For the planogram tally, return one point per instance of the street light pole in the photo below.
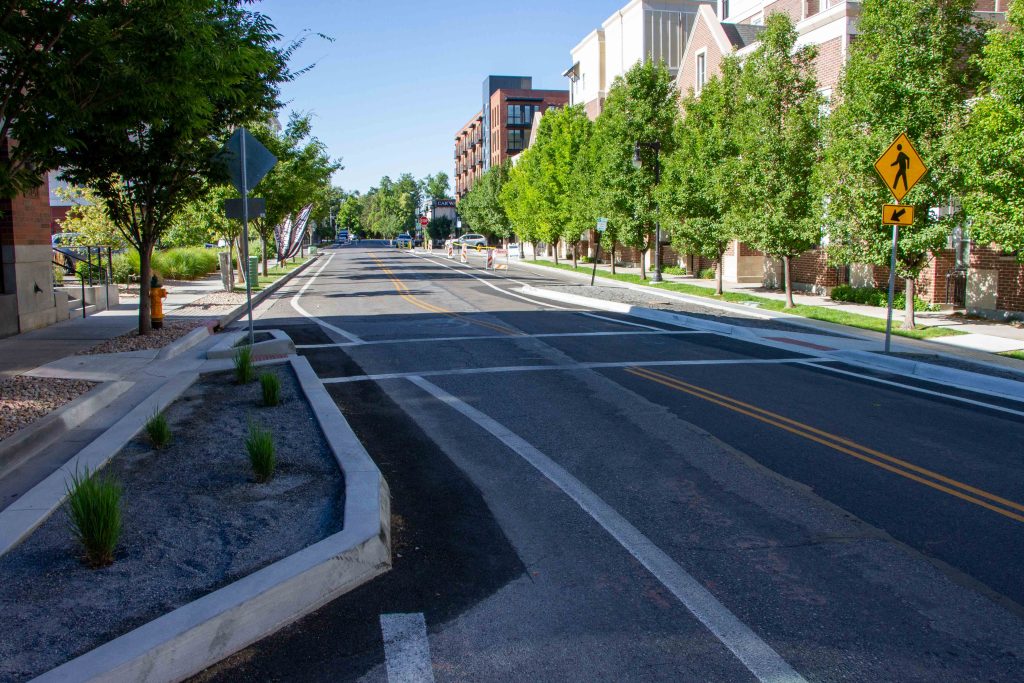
(638, 163)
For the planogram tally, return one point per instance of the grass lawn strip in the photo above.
(814, 312)
(1019, 355)
(194, 521)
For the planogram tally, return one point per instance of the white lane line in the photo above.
(298, 307)
(568, 367)
(535, 302)
(920, 390)
(759, 657)
(621, 322)
(503, 337)
(406, 648)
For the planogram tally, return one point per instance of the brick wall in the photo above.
(828, 65)
(794, 8)
(811, 268)
(701, 39)
(1010, 276)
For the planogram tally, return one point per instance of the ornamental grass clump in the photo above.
(260, 445)
(94, 506)
(158, 431)
(271, 385)
(244, 372)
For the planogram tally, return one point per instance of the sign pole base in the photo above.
(892, 288)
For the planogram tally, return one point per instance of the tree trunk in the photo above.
(643, 264)
(908, 311)
(611, 256)
(145, 273)
(719, 274)
(554, 249)
(263, 248)
(788, 281)
(575, 248)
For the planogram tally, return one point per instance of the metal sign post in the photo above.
(247, 161)
(900, 167)
(602, 225)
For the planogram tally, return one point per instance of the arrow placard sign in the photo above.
(897, 214)
(900, 167)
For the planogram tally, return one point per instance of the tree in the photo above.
(482, 209)
(202, 219)
(88, 218)
(440, 228)
(990, 149)
(777, 140)
(301, 176)
(192, 69)
(350, 215)
(911, 69)
(436, 186)
(520, 199)
(696, 195)
(392, 207)
(50, 56)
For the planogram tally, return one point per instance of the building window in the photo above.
(702, 71)
(725, 9)
(521, 114)
(516, 140)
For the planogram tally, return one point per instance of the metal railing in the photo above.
(956, 287)
(70, 257)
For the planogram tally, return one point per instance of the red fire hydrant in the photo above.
(156, 305)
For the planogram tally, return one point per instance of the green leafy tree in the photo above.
(990, 149)
(697, 195)
(350, 215)
(392, 206)
(520, 198)
(911, 69)
(191, 70)
(482, 208)
(302, 176)
(88, 218)
(436, 186)
(53, 56)
(777, 138)
(440, 228)
(642, 107)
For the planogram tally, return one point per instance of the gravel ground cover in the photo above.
(652, 300)
(212, 305)
(25, 399)
(156, 339)
(194, 521)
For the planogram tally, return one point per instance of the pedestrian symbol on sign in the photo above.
(901, 160)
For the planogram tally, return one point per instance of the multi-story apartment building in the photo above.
(501, 129)
(642, 30)
(977, 277)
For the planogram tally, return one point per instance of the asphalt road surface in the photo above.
(585, 496)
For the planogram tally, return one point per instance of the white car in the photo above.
(403, 241)
(472, 239)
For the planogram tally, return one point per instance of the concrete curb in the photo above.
(1007, 388)
(280, 345)
(180, 346)
(258, 298)
(201, 633)
(29, 440)
(962, 379)
(22, 517)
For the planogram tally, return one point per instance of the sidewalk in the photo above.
(23, 352)
(977, 335)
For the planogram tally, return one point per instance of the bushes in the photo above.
(271, 386)
(872, 296)
(94, 506)
(674, 270)
(189, 263)
(707, 274)
(244, 372)
(158, 431)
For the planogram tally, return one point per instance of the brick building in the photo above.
(27, 297)
(501, 129)
(977, 277)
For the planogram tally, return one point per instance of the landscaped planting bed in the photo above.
(194, 519)
(25, 399)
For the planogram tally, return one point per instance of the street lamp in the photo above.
(638, 163)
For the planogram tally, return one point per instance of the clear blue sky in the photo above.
(401, 77)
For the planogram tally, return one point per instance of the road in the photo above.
(585, 496)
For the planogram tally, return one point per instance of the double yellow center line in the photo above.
(921, 475)
(404, 292)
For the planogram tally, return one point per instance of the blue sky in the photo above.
(401, 77)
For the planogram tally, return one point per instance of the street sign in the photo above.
(423, 220)
(233, 208)
(602, 224)
(900, 167)
(896, 214)
(258, 159)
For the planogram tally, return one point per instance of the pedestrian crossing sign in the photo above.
(900, 167)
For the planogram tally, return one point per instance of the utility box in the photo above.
(254, 270)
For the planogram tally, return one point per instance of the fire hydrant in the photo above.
(156, 305)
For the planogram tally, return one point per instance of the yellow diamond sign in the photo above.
(900, 167)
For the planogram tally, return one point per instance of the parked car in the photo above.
(64, 253)
(404, 240)
(472, 239)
